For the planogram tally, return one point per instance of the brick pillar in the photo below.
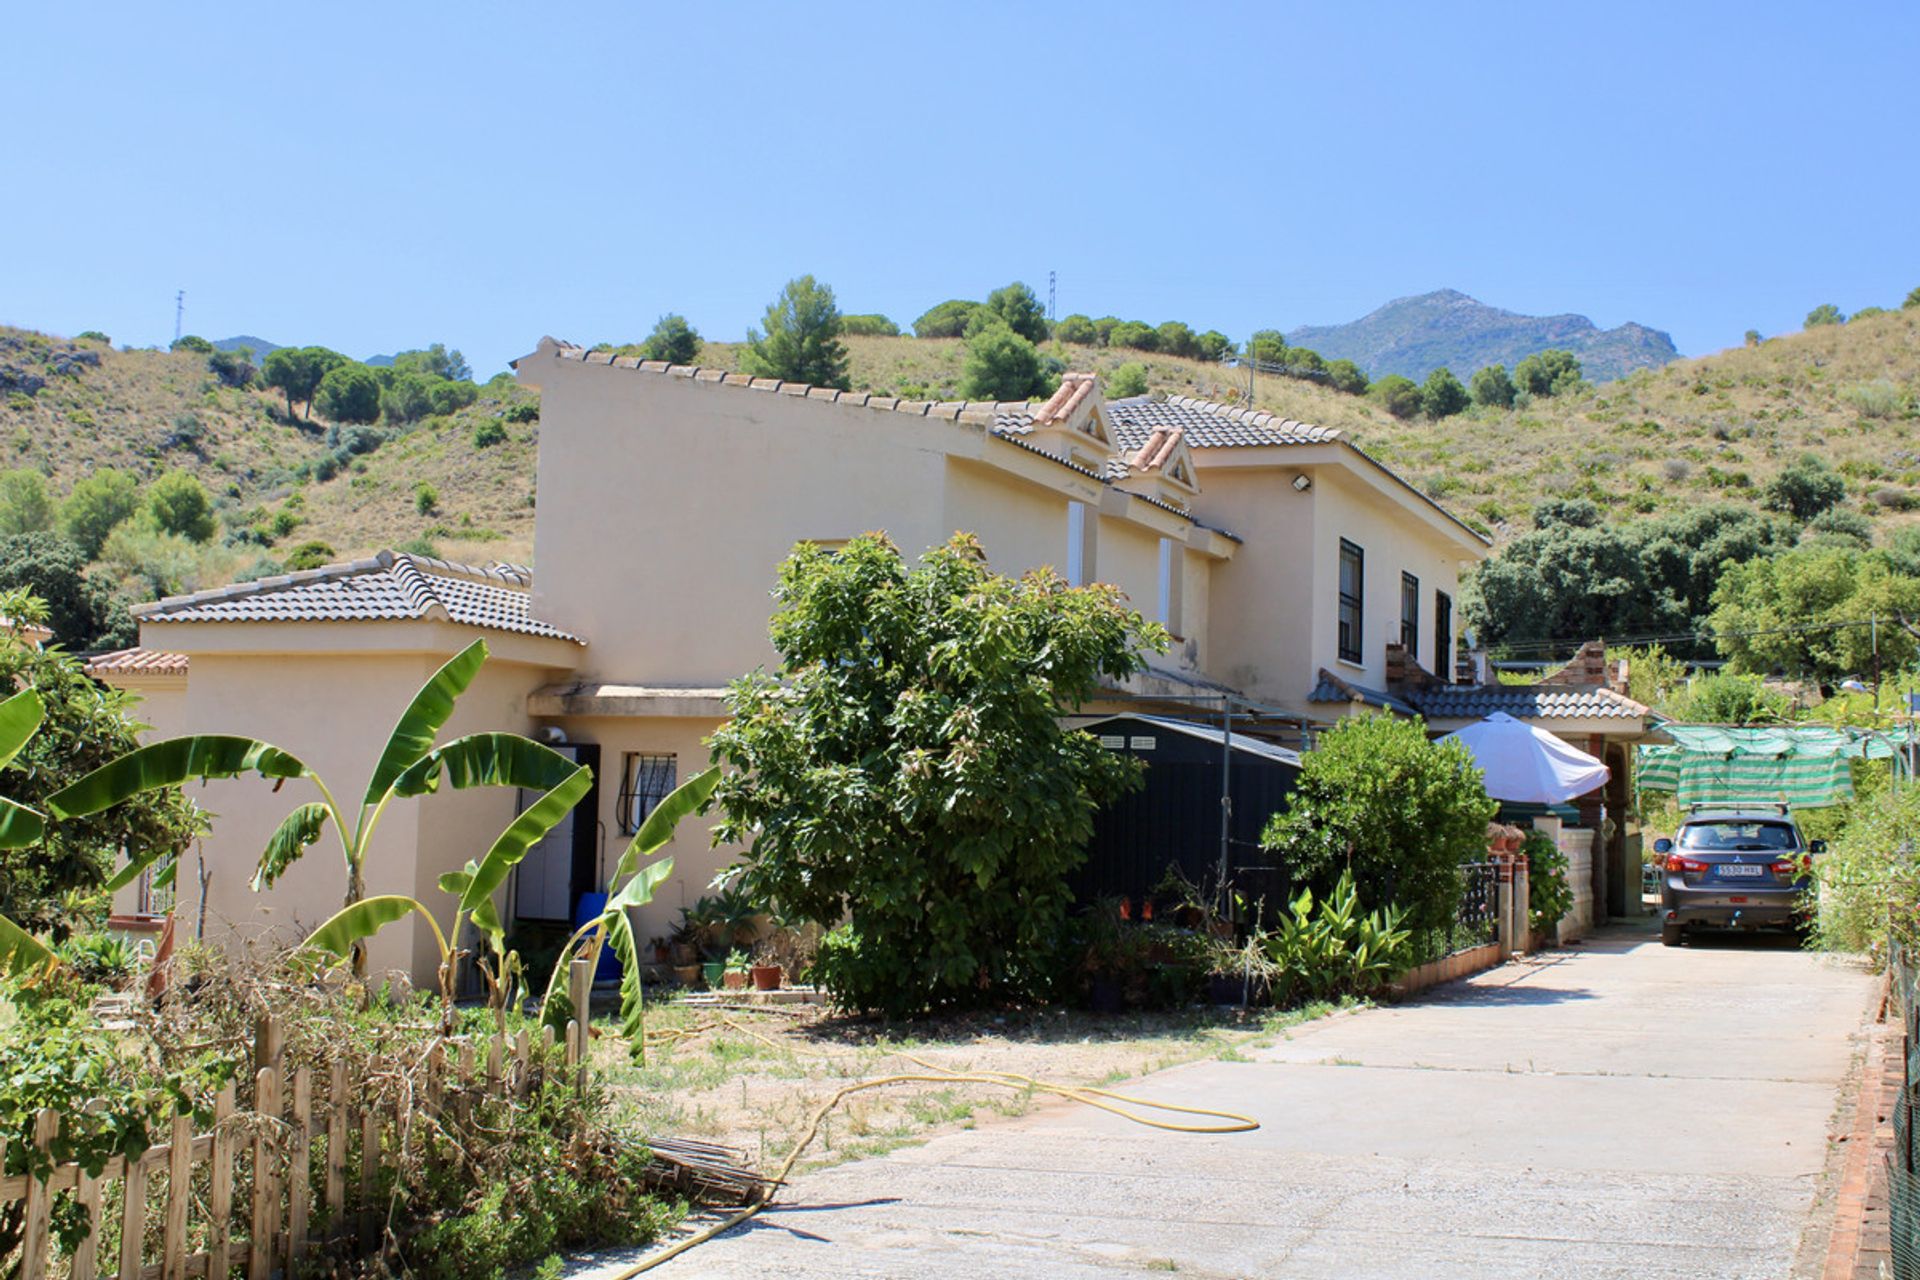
(1503, 932)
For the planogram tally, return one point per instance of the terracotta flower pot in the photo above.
(766, 977)
(734, 981)
(687, 975)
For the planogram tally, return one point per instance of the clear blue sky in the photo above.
(379, 177)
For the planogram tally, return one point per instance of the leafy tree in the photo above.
(235, 368)
(1213, 345)
(178, 503)
(1078, 330)
(1398, 395)
(1913, 300)
(1806, 488)
(1771, 614)
(1103, 329)
(1130, 379)
(407, 397)
(1002, 365)
(409, 765)
(1729, 697)
(1548, 373)
(1377, 799)
(1345, 375)
(672, 340)
(904, 778)
(349, 393)
(191, 342)
(1176, 339)
(948, 320)
(1135, 336)
(1835, 525)
(869, 325)
(1824, 314)
(80, 608)
(100, 503)
(1302, 362)
(1753, 338)
(1269, 345)
(296, 372)
(1866, 313)
(1442, 396)
(435, 362)
(84, 725)
(25, 505)
(1022, 311)
(94, 335)
(801, 342)
(1492, 388)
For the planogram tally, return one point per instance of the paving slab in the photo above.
(1616, 1110)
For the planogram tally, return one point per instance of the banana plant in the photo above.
(472, 887)
(631, 886)
(409, 765)
(21, 954)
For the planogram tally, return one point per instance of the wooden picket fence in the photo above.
(270, 1148)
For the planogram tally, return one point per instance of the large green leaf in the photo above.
(556, 1010)
(170, 763)
(658, 828)
(632, 997)
(21, 954)
(365, 918)
(20, 718)
(298, 830)
(136, 863)
(19, 825)
(424, 717)
(523, 833)
(487, 760)
(638, 892)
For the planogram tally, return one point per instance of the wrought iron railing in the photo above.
(1476, 920)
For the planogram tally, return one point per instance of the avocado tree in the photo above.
(409, 765)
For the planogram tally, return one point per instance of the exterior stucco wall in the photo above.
(1261, 604)
(667, 505)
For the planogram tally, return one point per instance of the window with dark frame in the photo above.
(646, 780)
(1443, 662)
(1353, 585)
(1410, 615)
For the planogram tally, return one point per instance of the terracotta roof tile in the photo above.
(137, 661)
(387, 586)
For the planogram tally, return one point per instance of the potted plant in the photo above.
(662, 953)
(767, 971)
(1239, 973)
(735, 971)
(683, 945)
(687, 975)
(713, 973)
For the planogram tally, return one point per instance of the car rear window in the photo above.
(1733, 837)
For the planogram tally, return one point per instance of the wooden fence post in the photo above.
(337, 1150)
(299, 1169)
(86, 1255)
(266, 1188)
(580, 1034)
(33, 1231)
(369, 1173)
(173, 1254)
(522, 1063)
(220, 1195)
(133, 1215)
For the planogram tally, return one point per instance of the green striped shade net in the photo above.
(1805, 766)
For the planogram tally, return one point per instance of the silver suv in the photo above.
(1730, 867)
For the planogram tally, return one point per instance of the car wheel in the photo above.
(1671, 935)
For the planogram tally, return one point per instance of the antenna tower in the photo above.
(179, 312)
(1051, 313)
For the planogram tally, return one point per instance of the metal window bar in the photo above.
(1353, 590)
(1476, 920)
(646, 779)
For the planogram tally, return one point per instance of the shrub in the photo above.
(488, 433)
(233, 368)
(1335, 949)
(1078, 330)
(311, 555)
(1806, 488)
(1002, 365)
(525, 411)
(1877, 399)
(426, 498)
(1912, 301)
(94, 335)
(904, 777)
(25, 505)
(1825, 314)
(1345, 375)
(1849, 526)
(1401, 813)
(1130, 379)
(1753, 338)
(1397, 395)
(869, 325)
(1549, 897)
(1867, 313)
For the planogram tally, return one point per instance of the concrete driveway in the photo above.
(1614, 1110)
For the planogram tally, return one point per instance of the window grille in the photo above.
(1353, 572)
(646, 780)
(1443, 636)
(1410, 615)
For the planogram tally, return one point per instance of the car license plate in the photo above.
(1729, 870)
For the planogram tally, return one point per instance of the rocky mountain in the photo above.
(1414, 336)
(259, 346)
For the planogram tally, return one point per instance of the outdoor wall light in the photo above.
(1303, 482)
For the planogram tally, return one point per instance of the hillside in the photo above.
(1712, 429)
(1414, 336)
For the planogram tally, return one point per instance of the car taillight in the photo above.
(1680, 862)
(1785, 867)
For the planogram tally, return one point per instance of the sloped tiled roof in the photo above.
(1207, 425)
(387, 586)
(137, 662)
(1476, 702)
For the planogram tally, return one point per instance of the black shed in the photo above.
(1174, 819)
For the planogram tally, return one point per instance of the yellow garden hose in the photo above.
(1104, 1099)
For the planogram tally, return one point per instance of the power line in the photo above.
(1680, 637)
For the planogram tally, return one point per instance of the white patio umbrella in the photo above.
(1529, 765)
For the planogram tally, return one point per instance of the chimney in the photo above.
(1397, 672)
